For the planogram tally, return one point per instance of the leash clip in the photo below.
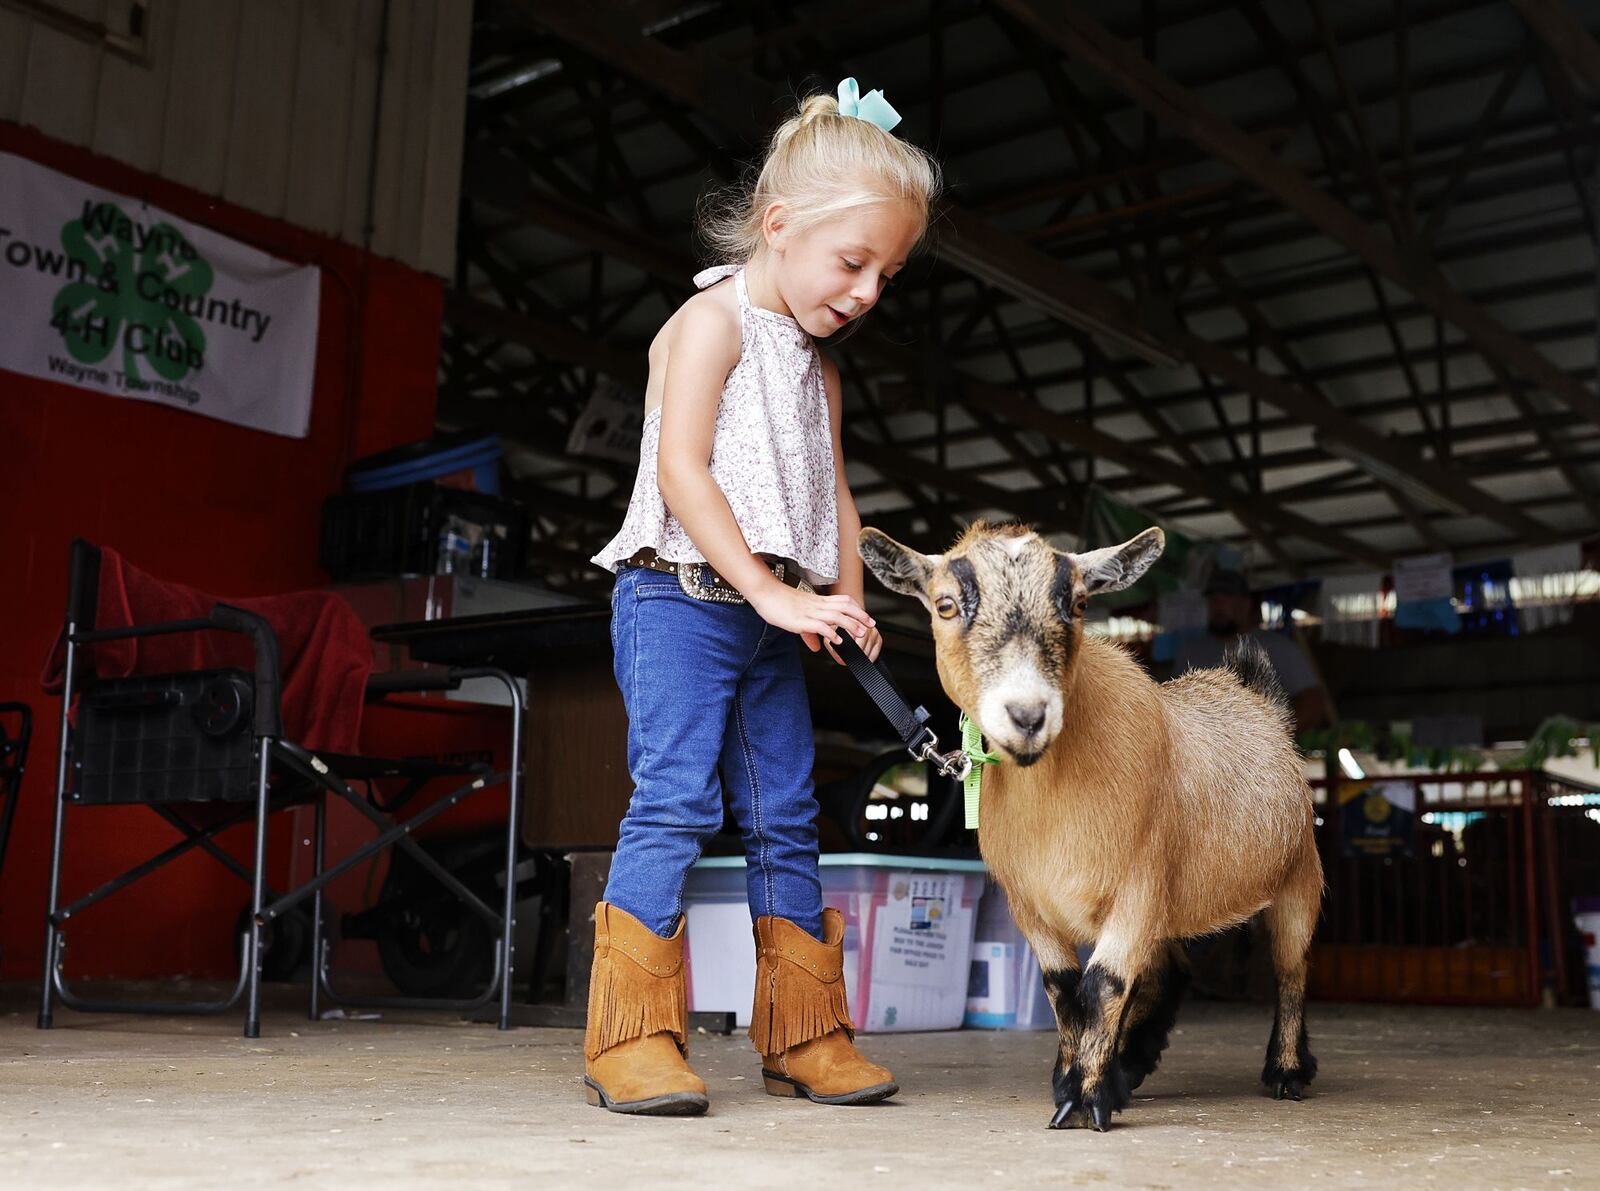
(925, 747)
(955, 764)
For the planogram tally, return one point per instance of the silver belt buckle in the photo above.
(778, 572)
(699, 581)
(696, 580)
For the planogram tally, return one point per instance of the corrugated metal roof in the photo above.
(1458, 136)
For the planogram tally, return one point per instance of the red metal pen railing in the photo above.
(1469, 907)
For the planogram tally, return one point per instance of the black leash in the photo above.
(910, 723)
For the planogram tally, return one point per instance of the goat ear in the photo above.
(1115, 567)
(898, 567)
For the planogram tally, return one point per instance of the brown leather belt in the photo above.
(698, 579)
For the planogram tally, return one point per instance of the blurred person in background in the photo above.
(1233, 613)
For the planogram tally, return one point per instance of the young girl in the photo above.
(740, 543)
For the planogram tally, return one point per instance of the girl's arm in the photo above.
(852, 578)
(702, 347)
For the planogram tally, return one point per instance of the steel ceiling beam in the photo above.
(746, 106)
(1009, 405)
(1084, 39)
(1000, 259)
(1560, 29)
(565, 342)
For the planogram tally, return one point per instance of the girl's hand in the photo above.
(816, 618)
(871, 644)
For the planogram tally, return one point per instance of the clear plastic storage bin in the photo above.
(907, 940)
(1006, 989)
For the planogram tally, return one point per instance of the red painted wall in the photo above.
(230, 510)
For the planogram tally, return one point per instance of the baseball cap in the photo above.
(1223, 582)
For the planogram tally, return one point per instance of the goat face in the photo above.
(1007, 614)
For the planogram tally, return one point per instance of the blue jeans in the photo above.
(711, 687)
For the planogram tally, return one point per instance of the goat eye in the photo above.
(946, 607)
(1079, 604)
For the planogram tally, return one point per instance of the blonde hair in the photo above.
(818, 165)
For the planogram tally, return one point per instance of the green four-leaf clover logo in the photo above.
(135, 293)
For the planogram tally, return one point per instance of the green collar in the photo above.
(972, 784)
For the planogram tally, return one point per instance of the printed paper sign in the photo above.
(921, 952)
(1424, 577)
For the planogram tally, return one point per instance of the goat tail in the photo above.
(1249, 663)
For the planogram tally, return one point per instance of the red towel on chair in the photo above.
(325, 655)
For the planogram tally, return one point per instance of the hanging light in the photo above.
(1348, 764)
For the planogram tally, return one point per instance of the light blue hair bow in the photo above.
(871, 107)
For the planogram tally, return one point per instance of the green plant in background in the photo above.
(1358, 735)
(1440, 759)
(1346, 734)
(1558, 736)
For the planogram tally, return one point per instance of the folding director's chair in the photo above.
(205, 750)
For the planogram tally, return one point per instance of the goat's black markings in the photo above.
(1288, 1082)
(1110, 1095)
(909, 571)
(1062, 980)
(1061, 985)
(1099, 995)
(962, 569)
(1250, 664)
(1019, 625)
(1100, 983)
(1061, 588)
(1066, 1086)
(1151, 1020)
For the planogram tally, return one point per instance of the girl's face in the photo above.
(833, 273)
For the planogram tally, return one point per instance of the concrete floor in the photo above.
(1406, 1097)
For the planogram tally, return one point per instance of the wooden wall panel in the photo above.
(199, 77)
(269, 104)
(63, 77)
(392, 133)
(446, 132)
(15, 37)
(323, 134)
(131, 113)
(256, 172)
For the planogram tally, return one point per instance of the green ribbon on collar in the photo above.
(972, 784)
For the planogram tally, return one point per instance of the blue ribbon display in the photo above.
(871, 107)
(1435, 615)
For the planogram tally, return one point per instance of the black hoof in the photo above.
(1066, 1084)
(1106, 1098)
(1065, 1113)
(1288, 1083)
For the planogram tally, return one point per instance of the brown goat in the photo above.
(1129, 814)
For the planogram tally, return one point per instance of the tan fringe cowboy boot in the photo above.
(635, 1046)
(801, 1025)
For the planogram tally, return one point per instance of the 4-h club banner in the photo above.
(105, 293)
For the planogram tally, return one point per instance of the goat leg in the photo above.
(1152, 1013)
(1291, 919)
(1105, 996)
(1061, 985)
